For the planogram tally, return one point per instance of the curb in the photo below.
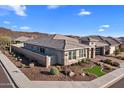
(112, 82)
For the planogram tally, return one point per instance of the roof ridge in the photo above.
(114, 39)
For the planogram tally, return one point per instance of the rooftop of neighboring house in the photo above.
(57, 36)
(23, 38)
(89, 39)
(58, 44)
(102, 39)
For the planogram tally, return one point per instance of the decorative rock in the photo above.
(20, 59)
(71, 74)
(83, 74)
(31, 64)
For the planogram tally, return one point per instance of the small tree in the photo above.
(117, 51)
(5, 42)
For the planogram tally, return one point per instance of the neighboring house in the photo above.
(94, 42)
(104, 45)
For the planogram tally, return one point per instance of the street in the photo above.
(4, 81)
(119, 84)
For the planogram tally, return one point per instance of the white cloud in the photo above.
(101, 30)
(53, 6)
(83, 12)
(18, 9)
(105, 26)
(6, 22)
(14, 26)
(24, 28)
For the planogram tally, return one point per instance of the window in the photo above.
(82, 53)
(42, 50)
(72, 55)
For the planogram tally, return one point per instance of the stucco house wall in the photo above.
(113, 48)
(56, 55)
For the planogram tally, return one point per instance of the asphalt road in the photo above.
(4, 81)
(119, 84)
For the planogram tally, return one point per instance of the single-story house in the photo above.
(59, 51)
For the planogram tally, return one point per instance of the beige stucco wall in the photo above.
(112, 49)
(41, 59)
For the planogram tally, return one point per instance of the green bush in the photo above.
(107, 61)
(121, 50)
(110, 62)
(120, 57)
(85, 60)
(116, 64)
(117, 51)
(54, 71)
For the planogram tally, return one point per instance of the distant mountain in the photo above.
(16, 34)
(121, 39)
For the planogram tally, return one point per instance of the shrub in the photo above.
(122, 58)
(107, 67)
(116, 64)
(23, 65)
(107, 61)
(121, 50)
(119, 57)
(54, 71)
(97, 63)
(117, 51)
(85, 60)
(31, 65)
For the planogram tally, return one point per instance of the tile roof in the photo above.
(57, 44)
(57, 36)
(102, 39)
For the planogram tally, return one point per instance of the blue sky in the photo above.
(74, 20)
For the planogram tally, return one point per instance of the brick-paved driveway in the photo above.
(4, 81)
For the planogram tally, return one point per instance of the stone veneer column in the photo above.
(94, 52)
(66, 54)
(104, 50)
(48, 61)
(89, 53)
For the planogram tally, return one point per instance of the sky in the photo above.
(79, 20)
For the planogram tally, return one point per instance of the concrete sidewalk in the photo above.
(23, 82)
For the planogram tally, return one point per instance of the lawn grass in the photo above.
(96, 70)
